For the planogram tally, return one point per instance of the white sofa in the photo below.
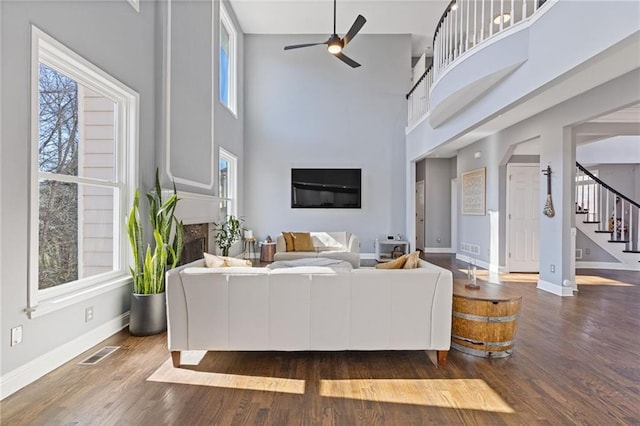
(308, 308)
(332, 245)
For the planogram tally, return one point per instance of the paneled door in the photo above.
(523, 212)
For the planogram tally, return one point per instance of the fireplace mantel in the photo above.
(195, 208)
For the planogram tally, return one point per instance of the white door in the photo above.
(454, 215)
(523, 211)
(420, 215)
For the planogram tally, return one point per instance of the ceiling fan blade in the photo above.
(347, 60)
(298, 46)
(355, 28)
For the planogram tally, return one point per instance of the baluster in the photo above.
(466, 47)
(535, 5)
(588, 204)
(475, 22)
(630, 233)
(615, 216)
(606, 210)
(456, 50)
(501, 15)
(513, 10)
(599, 207)
(482, 18)
(448, 35)
(460, 29)
(622, 221)
(524, 9)
(491, 21)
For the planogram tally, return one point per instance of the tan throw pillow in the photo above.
(213, 261)
(394, 264)
(234, 261)
(412, 260)
(302, 241)
(288, 241)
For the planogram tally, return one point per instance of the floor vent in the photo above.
(100, 355)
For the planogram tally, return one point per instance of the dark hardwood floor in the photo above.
(575, 361)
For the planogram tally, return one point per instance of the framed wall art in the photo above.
(473, 192)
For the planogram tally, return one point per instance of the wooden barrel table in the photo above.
(484, 320)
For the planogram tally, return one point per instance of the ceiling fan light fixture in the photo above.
(334, 44)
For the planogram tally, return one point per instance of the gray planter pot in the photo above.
(148, 314)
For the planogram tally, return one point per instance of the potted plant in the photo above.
(148, 301)
(227, 233)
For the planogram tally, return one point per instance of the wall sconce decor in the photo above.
(548, 207)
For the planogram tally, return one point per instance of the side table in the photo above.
(249, 245)
(484, 320)
(267, 251)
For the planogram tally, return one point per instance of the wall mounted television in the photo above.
(326, 188)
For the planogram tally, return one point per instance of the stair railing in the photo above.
(612, 211)
(464, 25)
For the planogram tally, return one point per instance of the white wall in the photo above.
(305, 108)
(133, 48)
(553, 129)
(126, 54)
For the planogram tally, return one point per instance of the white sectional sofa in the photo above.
(308, 308)
(331, 245)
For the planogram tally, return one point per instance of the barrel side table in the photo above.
(484, 320)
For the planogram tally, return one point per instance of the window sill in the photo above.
(56, 303)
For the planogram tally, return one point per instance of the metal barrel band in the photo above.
(485, 318)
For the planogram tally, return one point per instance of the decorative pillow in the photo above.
(234, 261)
(288, 240)
(302, 241)
(394, 264)
(213, 261)
(412, 260)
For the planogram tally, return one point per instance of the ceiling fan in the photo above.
(335, 44)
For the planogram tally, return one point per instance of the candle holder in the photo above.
(471, 275)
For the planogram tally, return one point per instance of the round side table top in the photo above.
(487, 291)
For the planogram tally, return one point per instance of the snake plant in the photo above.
(149, 266)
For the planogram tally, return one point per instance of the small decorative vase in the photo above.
(148, 314)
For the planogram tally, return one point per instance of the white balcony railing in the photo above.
(463, 26)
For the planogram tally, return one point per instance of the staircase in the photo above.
(607, 217)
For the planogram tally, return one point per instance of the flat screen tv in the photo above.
(326, 188)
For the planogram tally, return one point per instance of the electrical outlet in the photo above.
(553, 268)
(88, 314)
(16, 335)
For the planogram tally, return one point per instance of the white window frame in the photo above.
(232, 178)
(226, 21)
(45, 49)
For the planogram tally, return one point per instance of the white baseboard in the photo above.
(608, 265)
(438, 250)
(554, 288)
(16, 379)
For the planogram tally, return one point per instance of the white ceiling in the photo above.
(416, 17)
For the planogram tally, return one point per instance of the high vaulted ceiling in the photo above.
(416, 17)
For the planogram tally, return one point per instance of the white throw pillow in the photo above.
(213, 261)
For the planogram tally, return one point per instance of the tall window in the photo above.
(227, 183)
(227, 61)
(83, 127)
